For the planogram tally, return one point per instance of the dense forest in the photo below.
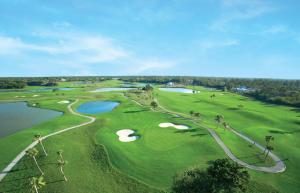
(270, 90)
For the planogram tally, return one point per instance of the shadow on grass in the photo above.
(233, 109)
(136, 111)
(199, 134)
(186, 131)
(284, 132)
(297, 110)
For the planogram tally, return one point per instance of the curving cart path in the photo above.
(277, 168)
(10, 166)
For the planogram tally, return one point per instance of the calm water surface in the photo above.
(110, 89)
(97, 107)
(181, 90)
(18, 116)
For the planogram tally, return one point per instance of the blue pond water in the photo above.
(181, 90)
(97, 107)
(18, 116)
(51, 89)
(110, 89)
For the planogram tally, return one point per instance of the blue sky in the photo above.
(227, 38)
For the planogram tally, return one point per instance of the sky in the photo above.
(221, 38)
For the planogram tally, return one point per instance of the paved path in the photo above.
(10, 166)
(277, 168)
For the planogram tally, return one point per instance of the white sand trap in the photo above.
(124, 135)
(180, 127)
(35, 95)
(63, 102)
(33, 105)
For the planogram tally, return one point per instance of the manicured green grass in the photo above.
(256, 120)
(99, 162)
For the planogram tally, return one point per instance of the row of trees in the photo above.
(37, 183)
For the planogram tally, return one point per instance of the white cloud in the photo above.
(150, 65)
(72, 47)
(78, 53)
(212, 44)
(239, 10)
(275, 29)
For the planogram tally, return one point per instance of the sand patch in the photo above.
(180, 127)
(35, 95)
(125, 135)
(63, 102)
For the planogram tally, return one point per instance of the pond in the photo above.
(111, 89)
(50, 89)
(181, 90)
(97, 107)
(17, 116)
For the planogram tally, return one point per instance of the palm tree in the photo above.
(269, 148)
(197, 115)
(191, 113)
(33, 153)
(39, 139)
(219, 119)
(59, 153)
(37, 183)
(154, 104)
(61, 163)
(212, 96)
(226, 125)
(268, 139)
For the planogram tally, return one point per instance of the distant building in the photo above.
(63, 80)
(243, 89)
(170, 84)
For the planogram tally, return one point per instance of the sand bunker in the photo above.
(35, 95)
(63, 102)
(124, 135)
(180, 127)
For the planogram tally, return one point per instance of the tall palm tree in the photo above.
(269, 148)
(61, 163)
(33, 153)
(59, 153)
(219, 119)
(268, 139)
(37, 183)
(225, 125)
(191, 113)
(39, 139)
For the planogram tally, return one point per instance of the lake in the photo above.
(17, 116)
(181, 90)
(97, 107)
(111, 89)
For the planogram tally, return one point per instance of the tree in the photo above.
(222, 176)
(191, 113)
(33, 153)
(197, 115)
(154, 104)
(225, 125)
(269, 148)
(219, 119)
(227, 176)
(37, 183)
(268, 139)
(192, 181)
(39, 139)
(61, 163)
(59, 153)
(212, 96)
